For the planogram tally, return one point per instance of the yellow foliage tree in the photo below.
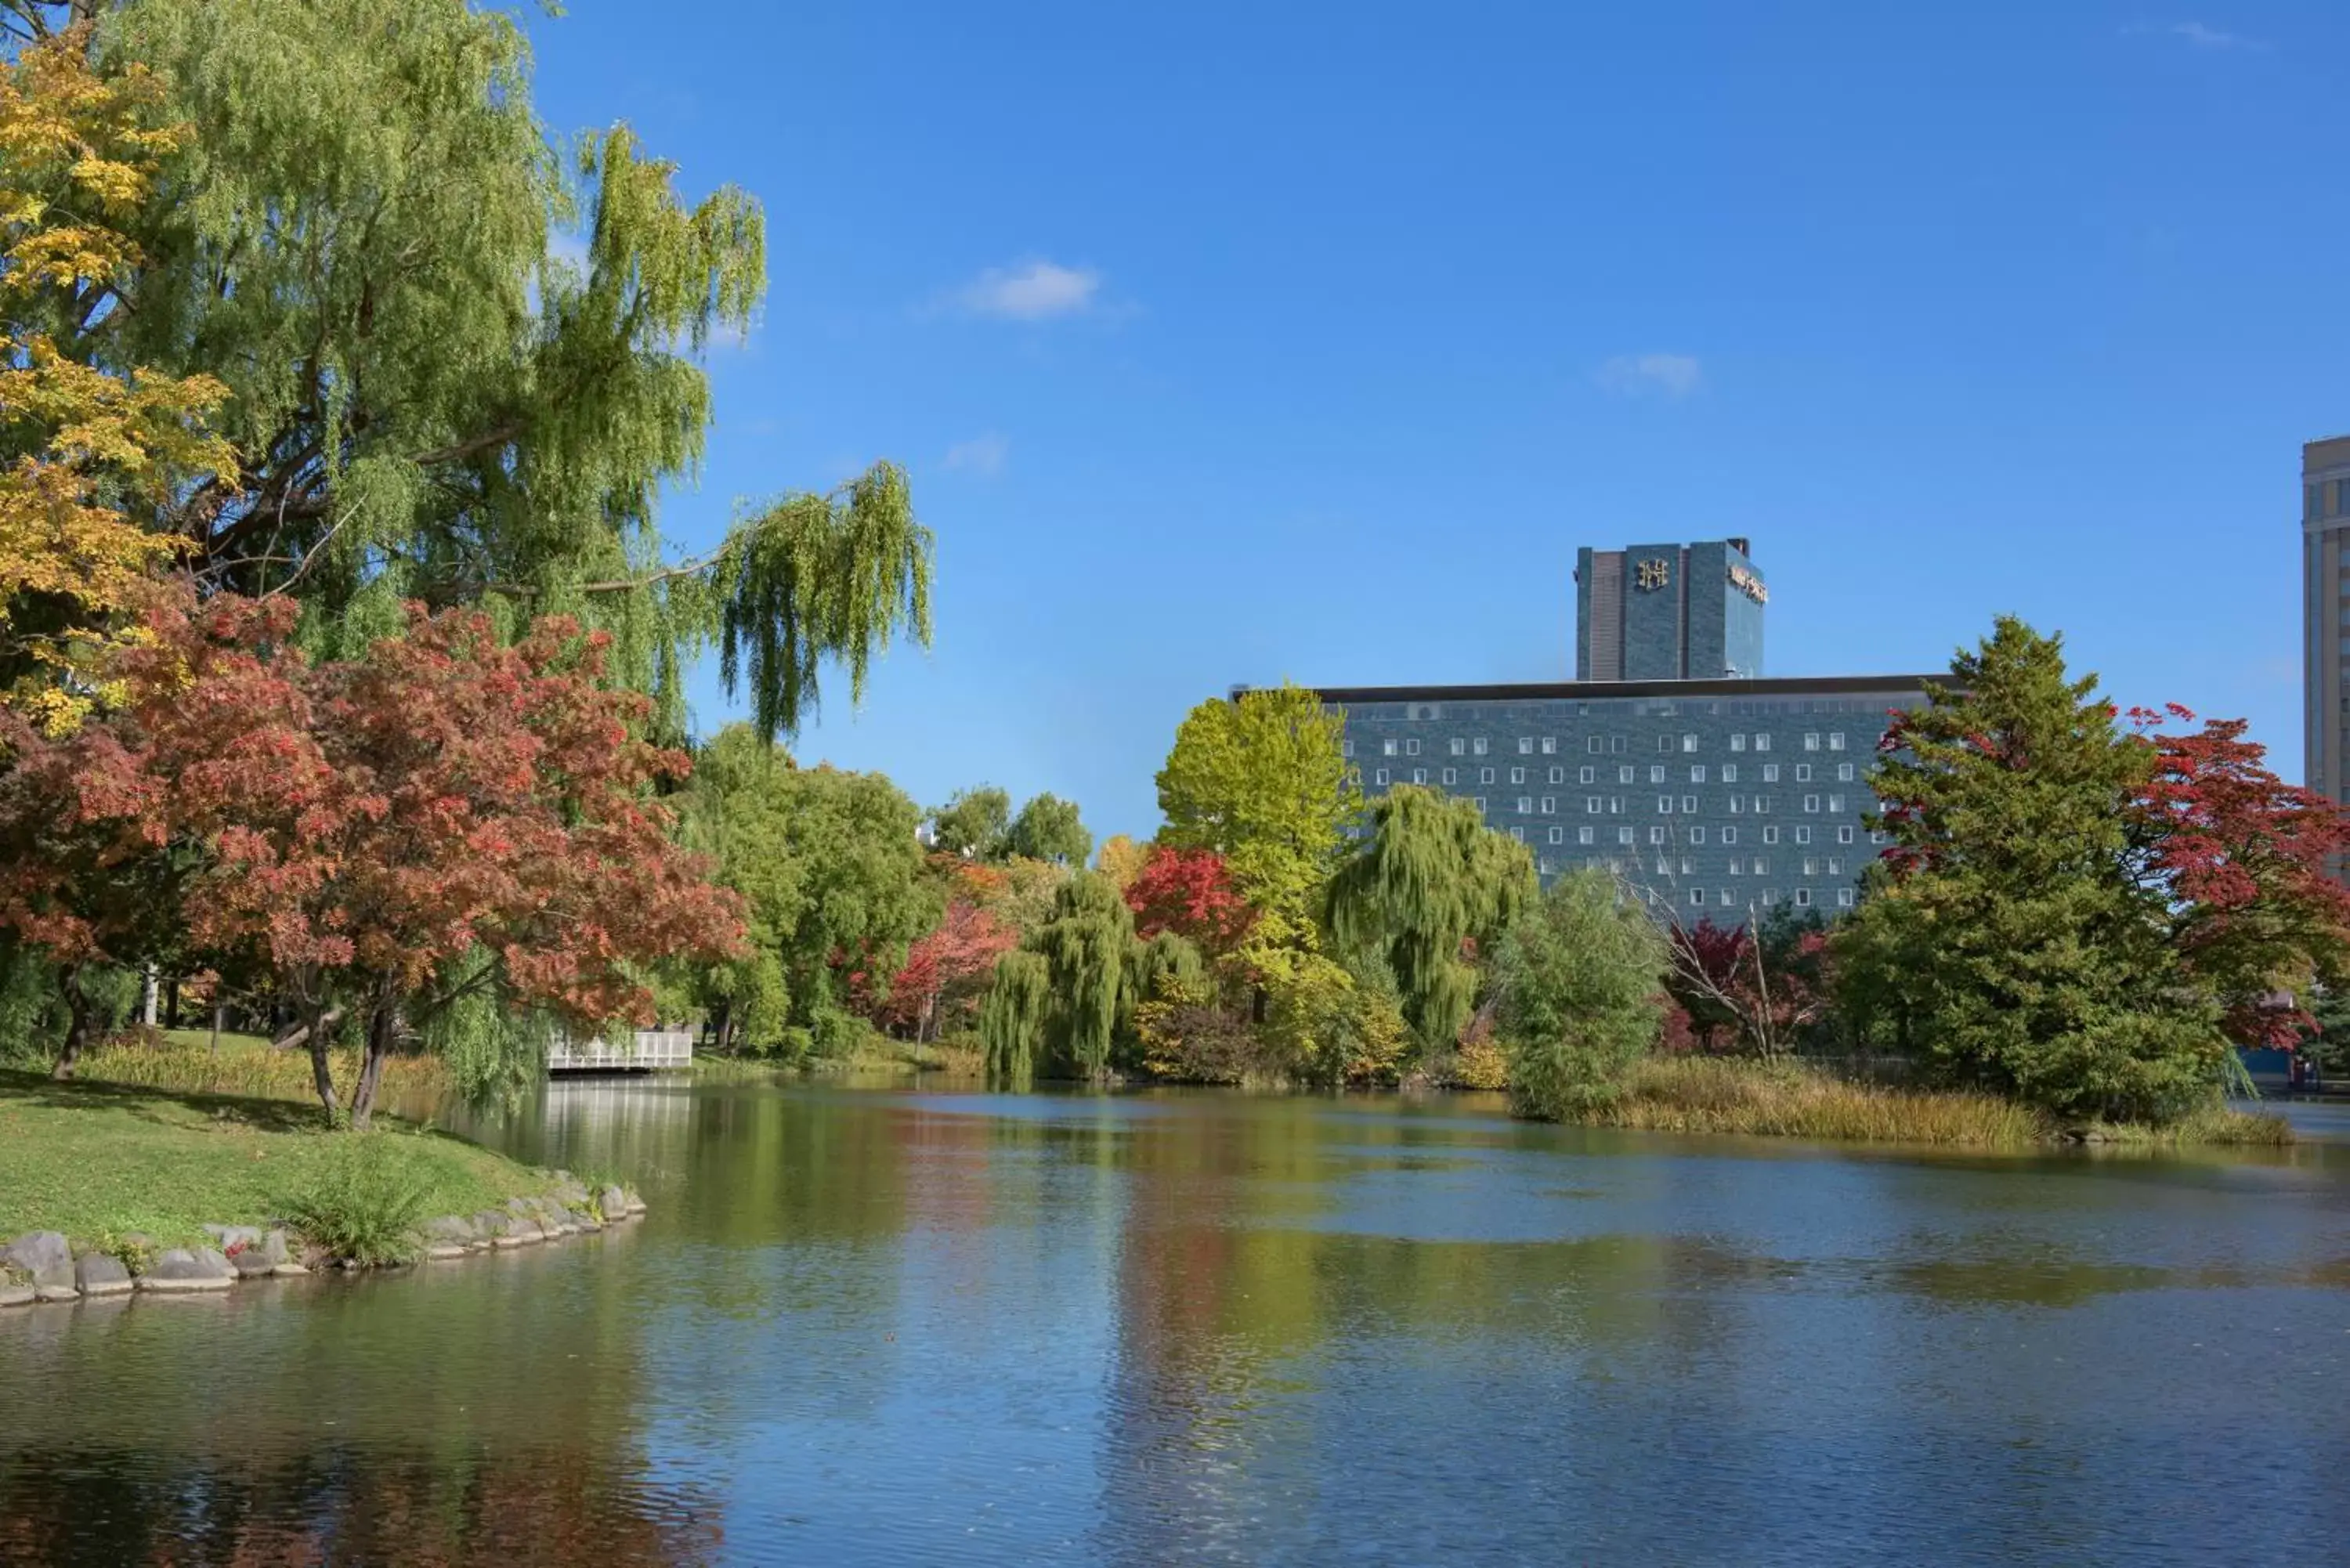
(80, 443)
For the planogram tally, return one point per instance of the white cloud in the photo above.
(1637, 375)
(2199, 34)
(1032, 291)
(981, 454)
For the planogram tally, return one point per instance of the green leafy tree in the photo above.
(2005, 940)
(831, 877)
(1430, 888)
(1048, 828)
(975, 823)
(1264, 782)
(463, 358)
(1582, 995)
(1064, 1004)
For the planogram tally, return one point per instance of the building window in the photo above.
(1616, 745)
(1526, 805)
(1697, 773)
(1835, 865)
(1626, 773)
(1558, 836)
(1729, 773)
(1519, 833)
(1737, 868)
(1550, 806)
(1803, 897)
(1697, 835)
(1844, 897)
(1664, 805)
(1587, 775)
(1484, 776)
(1550, 745)
(1811, 803)
(1736, 743)
(1346, 748)
(1622, 835)
(1380, 777)
(1812, 742)
(1877, 838)
(1737, 804)
(1689, 743)
(1769, 896)
(1810, 864)
(1479, 801)
(1525, 745)
(1836, 805)
(1770, 836)
(1762, 742)
(1688, 806)
(1664, 743)
(1411, 747)
(1419, 776)
(1725, 898)
(1517, 775)
(1478, 745)
(1615, 805)
(1844, 772)
(1835, 741)
(1583, 835)
(1761, 804)
(1592, 744)
(1656, 835)
(1558, 775)
(1460, 746)
(1730, 835)
(1592, 805)
(1697, 895)
(1761, 865)
(1452, 775)
(1769, 772)
(1844, 834)
(1688, 867)
(1802, 836)
(1546, 865)
(1803, 773)
(1387, 748)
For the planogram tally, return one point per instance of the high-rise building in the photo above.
(1669, 612)
(1716, 799)
(2325, 616)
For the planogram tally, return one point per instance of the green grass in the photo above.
(187, 1065)
(95, 1160)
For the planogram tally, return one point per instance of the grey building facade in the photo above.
(1717, 799)
(2325, 616)
(1669, 612)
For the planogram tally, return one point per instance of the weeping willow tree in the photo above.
(1064, 1003)
(463, 358)
(1429, 889)
(1015, 1017)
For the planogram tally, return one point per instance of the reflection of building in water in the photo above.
(636, 1124)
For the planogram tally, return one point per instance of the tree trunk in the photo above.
(318, 1025)
(219, 1011)
(725, 1046)
(78, 1027)
(171, 1002)
(378, 1046)
(146, 994)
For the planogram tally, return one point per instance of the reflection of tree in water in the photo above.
(551, 1505)
(482, 1412)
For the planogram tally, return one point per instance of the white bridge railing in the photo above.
(648, 1051)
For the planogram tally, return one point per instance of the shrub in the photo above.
(1581, 1000)
(363, 1202)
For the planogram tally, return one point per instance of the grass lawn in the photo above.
(97, 1159)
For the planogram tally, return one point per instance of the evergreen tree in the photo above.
(2006, 941)
(1582, 994)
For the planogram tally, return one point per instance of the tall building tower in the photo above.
(1671, 612)
(2325, 615)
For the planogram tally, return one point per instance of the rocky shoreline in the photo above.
(42, 1267)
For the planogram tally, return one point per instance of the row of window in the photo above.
(1696, 836)
(1476, 746)
(1613, 806)
(1728, 772)
(1699, 898)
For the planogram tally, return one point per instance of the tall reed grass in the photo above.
(255, 1071)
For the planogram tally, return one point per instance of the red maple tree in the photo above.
(2247, 863)
(946, 970)
(444, 815)
(1190, 893)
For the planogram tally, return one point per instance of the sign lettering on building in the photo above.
(1656, 574)
(1747, 583)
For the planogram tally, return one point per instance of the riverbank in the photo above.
(1720, 1095)
(182, 1186)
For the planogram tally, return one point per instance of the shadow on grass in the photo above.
(267, 1115)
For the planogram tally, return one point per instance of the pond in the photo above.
(866, 1326)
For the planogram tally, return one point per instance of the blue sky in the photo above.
(1226, 343)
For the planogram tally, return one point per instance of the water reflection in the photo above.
(898, 1326)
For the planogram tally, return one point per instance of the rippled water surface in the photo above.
(897, 1327)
